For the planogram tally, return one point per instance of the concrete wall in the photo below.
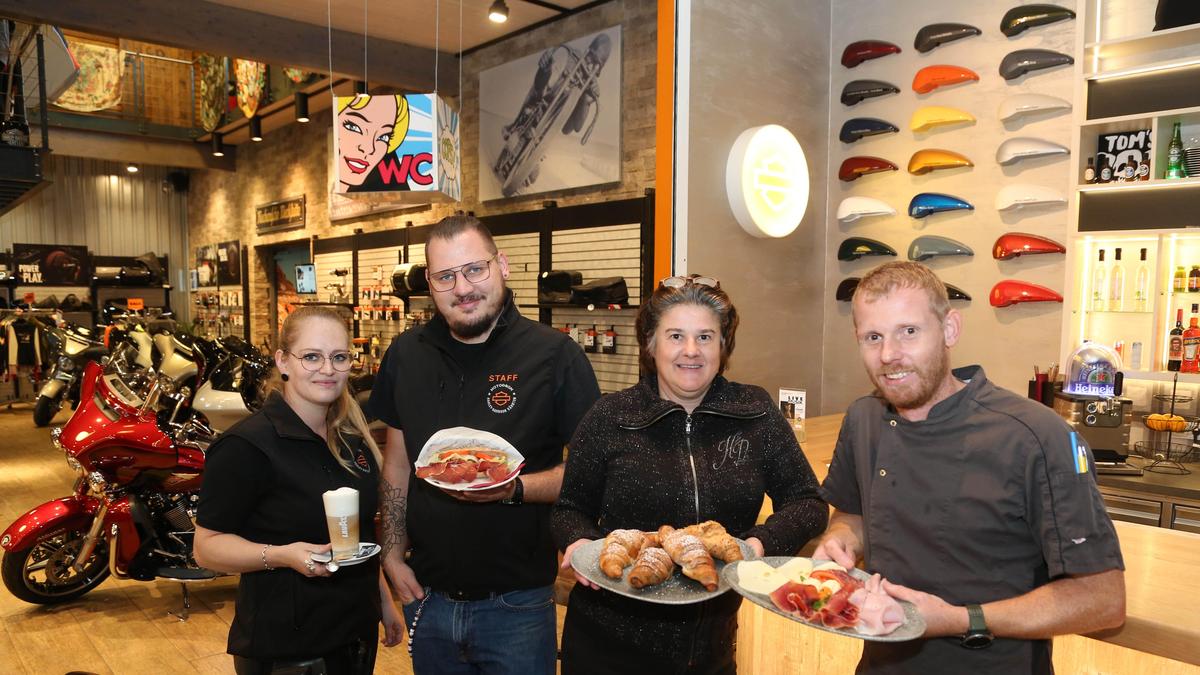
(295, 159)
(1007, 341)
(752, 63)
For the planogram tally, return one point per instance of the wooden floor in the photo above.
(122, 627)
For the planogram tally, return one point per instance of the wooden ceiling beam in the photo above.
(228, 31)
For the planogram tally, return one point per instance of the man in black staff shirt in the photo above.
(477, 588)
(977, 505)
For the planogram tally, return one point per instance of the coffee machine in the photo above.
(1091, 403)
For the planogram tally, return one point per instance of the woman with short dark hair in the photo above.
(681, 447)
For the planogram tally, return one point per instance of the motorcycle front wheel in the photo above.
(44, 410)
(43, 574)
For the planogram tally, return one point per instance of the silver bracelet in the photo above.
(264, 557)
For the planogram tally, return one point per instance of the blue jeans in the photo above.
(507, 634)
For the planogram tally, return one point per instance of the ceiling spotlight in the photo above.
(498, 11)
(131, 168)
(218, 145)
(301, 107)
(256, 128)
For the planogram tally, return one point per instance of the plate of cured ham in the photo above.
(827, 596)
(461, 458)
(668, 567)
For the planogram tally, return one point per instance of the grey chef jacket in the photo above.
(988, 498)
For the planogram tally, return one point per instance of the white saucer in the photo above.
(366, 550)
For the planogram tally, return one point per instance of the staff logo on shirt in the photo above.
(501, 398)
(733, 449)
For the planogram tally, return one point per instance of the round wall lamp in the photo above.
(767, 182)
(131, 167)
(498, 12)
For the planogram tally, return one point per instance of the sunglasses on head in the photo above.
(681, 281)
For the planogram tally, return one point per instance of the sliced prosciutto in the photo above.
(836, 599)
(878, 612)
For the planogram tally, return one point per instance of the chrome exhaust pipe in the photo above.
(89, 541)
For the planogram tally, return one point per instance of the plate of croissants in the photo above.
(670, 566)
(827, 596)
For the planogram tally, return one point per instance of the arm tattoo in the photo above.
(393, 506)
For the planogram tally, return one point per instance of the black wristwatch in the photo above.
(977, 636)
(518, 495)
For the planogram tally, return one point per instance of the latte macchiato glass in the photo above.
(341, 515)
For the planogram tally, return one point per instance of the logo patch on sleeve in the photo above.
(501, 398)
(1079, 450)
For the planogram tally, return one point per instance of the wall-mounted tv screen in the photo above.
(306, 278)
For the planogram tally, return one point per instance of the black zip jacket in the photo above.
(528, 383)
(640, 461)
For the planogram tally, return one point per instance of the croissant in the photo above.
(620, 547)
(719, 543)
(653, 566)
(689, 553)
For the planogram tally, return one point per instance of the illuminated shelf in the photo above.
(1161, 376)
(1124, 311)
(1171, 38)
(1152, 184)
(1147, 68)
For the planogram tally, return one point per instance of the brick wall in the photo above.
(295, 160)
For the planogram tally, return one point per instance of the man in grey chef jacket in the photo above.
(977, 505)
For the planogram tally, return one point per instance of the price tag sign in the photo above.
(136, 304)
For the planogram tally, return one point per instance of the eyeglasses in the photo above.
(314, 361)
(680, 282)
(473, 272)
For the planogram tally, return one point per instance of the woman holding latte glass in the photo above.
(263, 508)
(681, 447)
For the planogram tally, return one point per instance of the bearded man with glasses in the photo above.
(477, 585)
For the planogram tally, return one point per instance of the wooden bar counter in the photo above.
(1161, 634)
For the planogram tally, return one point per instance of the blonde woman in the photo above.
(261, 513)
(369, 128)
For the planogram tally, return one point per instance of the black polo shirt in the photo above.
(988, 498)
(263, 480)
(527, 383)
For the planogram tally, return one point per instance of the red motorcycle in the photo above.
(140, 460)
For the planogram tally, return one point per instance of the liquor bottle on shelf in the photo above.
(1179, 281)
(1116, 277)
(1143, 169)
(1104, 170)
(1175, 344)
(1099, 288)
(1141, 285)
(1175, 167)
(1191, 344)
(1194, 279)
(1089, 174)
